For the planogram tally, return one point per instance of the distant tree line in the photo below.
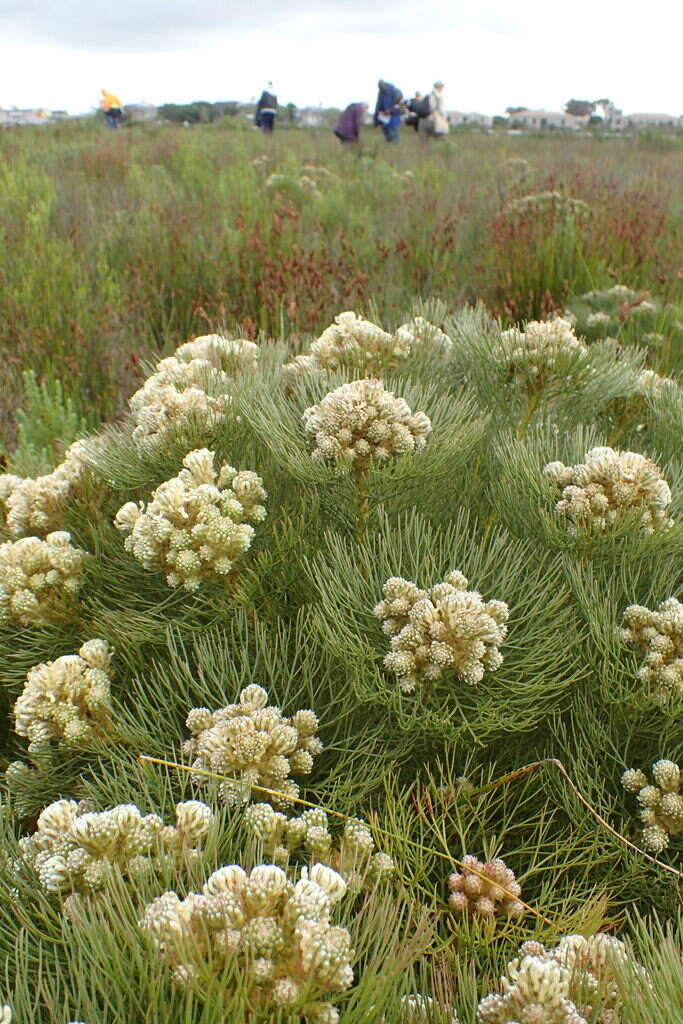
(579, 108)
(199, 111)
(203, 112)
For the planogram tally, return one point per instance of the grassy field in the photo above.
(114, 247)
(462, 600)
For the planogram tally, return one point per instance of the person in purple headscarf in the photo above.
(350, 120)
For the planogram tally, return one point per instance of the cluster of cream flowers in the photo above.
(649, 386)
(360, 346)
(420, 333)
(75, 850)
(608, 486)
(38, 578)
(360, 422)
(229, 355)
(355, 858)
(560, 985)
(253, 744)
(176, 395)
(446, 628)
(196, 525)
(67, 700)
(178, 390)
(653, 385)
(660, 635)
(485, 889)
(661, 804)
(36, 505)
(290, 956)
(540, 352)
(352, 343)
(297, 183)
(551, 202)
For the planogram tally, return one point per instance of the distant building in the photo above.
(458, 117)
(652, 120)
(14, 117)
(542, 120)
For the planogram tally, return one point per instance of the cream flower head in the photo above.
(360, 422)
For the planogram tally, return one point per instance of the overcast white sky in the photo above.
(490, 53)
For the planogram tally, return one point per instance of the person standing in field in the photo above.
(388, 110)
(350, 121)
(414, 107)
(266, 110)
(436, 123)
(111, 105)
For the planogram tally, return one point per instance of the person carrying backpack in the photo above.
(436, 122)
(266, 110)
(418, 109)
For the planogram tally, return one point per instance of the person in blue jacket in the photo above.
(388, 110)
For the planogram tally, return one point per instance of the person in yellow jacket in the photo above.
(111, 105)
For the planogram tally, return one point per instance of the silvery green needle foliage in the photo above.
(575, 982)
(67, 701)
(607, 488)
(289, 953)
(253, 744)
(196, 525)
(485, 889)
(446, 628)
(532, 583)
(38, 506)
(522, 376)
(661, 803)
(354, 858)
(360, 423)
(75, 850)
(659, 635)
(635, 316)
(420, 1009)
(39, 578)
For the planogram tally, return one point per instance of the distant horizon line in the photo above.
(313, 107)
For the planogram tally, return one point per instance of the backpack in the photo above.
(421, 107)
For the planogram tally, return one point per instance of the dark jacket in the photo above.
(268, 101)
(350, 120)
